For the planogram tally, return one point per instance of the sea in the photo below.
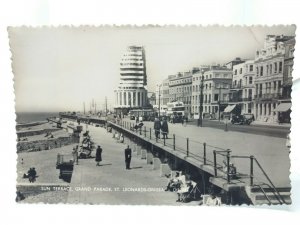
(28, 117)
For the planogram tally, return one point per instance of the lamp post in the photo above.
(159, 102)
(201, 100)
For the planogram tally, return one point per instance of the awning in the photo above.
(283, 107)
(229, 108)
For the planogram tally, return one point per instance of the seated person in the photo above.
(31, 175)
(174, 183)
(138, 126)
(184, 190)
(232, 170)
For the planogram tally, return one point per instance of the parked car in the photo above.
(241, 119)
(249, 116)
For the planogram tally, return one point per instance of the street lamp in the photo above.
(159, 102)
(201, 100)
(219, 99)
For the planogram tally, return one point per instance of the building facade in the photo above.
(269, 63)
(243, 87)
(131, 92)
(216, 86)
(180, 89)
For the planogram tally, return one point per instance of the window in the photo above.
(250, 93)
(246, 80)
(251, 68)
(250, 80)
(205, 86)
(216, 97)
(257, 71)
(261, 71)
(275, 67)
(280, 67)
(271, 69)
(209, 98)
(267, 69)
(279, 84)
(241, 70)
(209, 85)
(235, 72)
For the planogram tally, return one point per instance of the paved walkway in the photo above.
(111, 183)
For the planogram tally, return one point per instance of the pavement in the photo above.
(110, 183)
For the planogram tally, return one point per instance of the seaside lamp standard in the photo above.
(201, 99)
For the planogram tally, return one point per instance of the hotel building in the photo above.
(216, 85)
(131, 92)
(270, 103)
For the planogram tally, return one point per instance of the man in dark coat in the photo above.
(98, 158)
(157, 127)
(127, 157)
(164, 128)
(32, 175)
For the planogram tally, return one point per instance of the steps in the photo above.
(257, 196)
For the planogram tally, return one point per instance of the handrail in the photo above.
(216, 151)
(269, 180)
(274, 192)
(263, 191)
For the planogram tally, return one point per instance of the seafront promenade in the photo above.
(110, 183)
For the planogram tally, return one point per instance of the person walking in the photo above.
(127, 157)
(157, 127)
(75, 154)
(164, 128)
(98, 158)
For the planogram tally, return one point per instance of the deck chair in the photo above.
(209, 201)
(192, 195)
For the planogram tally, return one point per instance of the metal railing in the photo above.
(184, 145)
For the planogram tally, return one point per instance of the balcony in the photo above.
(235, 99)
(268, 96)
(249, 99)
(237, 86)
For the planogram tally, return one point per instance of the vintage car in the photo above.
(241, 119)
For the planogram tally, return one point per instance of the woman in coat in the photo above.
(164, 128)
(98, 158)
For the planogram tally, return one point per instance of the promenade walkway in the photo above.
(111, 183)
(271, 152)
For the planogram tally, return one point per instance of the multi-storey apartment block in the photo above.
(269, 66)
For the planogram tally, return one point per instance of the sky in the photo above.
(59, 68)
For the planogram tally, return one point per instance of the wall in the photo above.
(46, 144)
(35, 132)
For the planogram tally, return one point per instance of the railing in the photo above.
(207, 154)
(268, 96)
(247, 99)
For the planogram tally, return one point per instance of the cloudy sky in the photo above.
(57, 69)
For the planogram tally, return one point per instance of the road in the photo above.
(280, 131)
